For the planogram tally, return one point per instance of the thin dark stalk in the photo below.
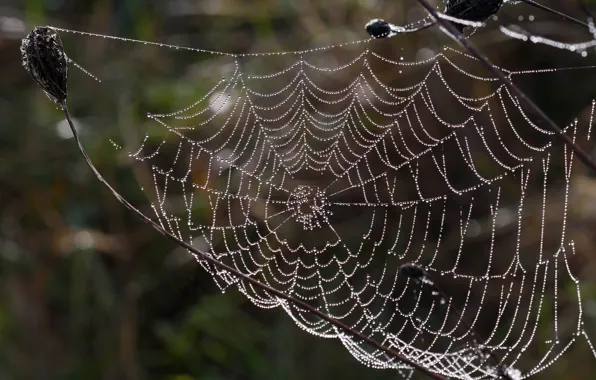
(216, 263)
(584, 7)
(560, 14)
(454, 32)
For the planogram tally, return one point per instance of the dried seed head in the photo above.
(44, 59)
(378, 28)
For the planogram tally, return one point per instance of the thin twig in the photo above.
(560, 14)
(584, 7)
(459, 37)
(216, 263)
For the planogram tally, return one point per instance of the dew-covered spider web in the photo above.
(323, 172)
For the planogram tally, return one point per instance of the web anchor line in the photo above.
(516, 32)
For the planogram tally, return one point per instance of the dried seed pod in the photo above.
(472, 10)
(378, 28)
(44, 59)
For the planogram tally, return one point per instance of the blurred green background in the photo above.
(88, 292)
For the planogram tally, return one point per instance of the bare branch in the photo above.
(459, 37)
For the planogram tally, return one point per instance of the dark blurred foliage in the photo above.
(88, 292)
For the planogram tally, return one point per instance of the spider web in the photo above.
(324, 171)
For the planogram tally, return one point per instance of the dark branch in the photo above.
(560, 14)
(459, 37)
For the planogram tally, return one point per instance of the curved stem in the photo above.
(216, 263)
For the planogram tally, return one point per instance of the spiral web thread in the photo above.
(322, 177)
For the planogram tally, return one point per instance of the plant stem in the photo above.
(560, 14)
